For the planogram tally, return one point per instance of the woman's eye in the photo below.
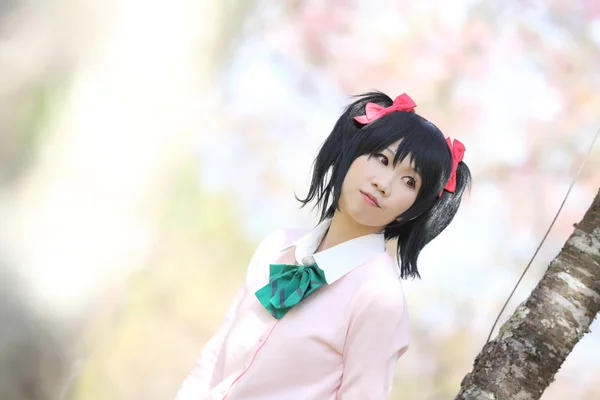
(383, 159)
(410, 182)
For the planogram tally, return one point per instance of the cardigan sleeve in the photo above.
(377, 337)
(208, 369)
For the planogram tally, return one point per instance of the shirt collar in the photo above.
(338, 260)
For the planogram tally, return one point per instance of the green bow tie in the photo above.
(288, 285)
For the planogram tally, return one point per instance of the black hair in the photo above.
(426, 146)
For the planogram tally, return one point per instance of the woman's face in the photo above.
(374, 192)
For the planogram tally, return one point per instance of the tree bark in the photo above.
(531, 346)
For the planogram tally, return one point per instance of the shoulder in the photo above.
(275, 242)
(380, 274)
(280, 239)
(266, 251)
(378, 285)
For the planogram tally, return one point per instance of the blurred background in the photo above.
(142, 141)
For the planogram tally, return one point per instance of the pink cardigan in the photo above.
(341, 342)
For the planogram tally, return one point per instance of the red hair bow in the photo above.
(374, 111)
(458, 150)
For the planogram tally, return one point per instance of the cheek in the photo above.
(405, 199)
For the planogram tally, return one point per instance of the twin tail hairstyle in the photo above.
(427, 148)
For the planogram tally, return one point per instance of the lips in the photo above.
(369, 198)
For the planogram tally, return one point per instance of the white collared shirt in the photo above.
(336, 261)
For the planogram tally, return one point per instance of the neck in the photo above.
(342, 229)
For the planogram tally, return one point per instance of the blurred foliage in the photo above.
(34, 355)
(22, 117)
(192, 268)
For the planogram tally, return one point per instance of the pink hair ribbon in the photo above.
(458, 150)
(374, 111)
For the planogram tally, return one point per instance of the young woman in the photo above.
(321, 314)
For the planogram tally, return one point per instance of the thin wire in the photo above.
(547, 232)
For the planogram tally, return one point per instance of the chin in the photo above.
(364, 215)
(364, 218)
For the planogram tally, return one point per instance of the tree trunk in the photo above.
(531, 346)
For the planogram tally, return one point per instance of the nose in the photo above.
(382, 184)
